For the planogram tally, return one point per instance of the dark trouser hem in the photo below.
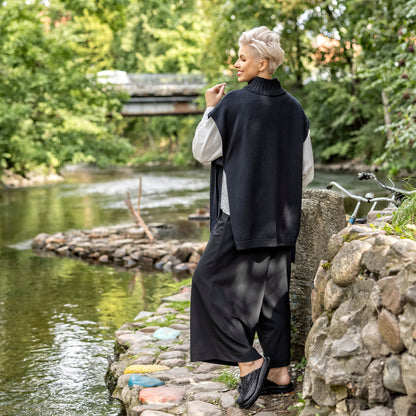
(225, 362)
(274, 364)
(215, 361)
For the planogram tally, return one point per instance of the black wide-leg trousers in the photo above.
(236, 293)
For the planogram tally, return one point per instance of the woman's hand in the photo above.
(213, 95)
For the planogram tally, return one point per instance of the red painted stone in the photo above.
(162, 394)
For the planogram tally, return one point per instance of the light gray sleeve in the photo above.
(308, 166)
(207, 142)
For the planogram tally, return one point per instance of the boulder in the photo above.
(407, 324)
(371, 338)
(392, 375)
(403, 406)
(323, 214)
(391, 297)
(162, 394)
(408, 365)
(388, 325)
(346, 265)
(199, 408)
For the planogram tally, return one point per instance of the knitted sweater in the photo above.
(263, 129)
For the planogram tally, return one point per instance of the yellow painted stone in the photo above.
(135, 369)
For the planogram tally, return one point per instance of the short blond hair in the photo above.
(265, 44)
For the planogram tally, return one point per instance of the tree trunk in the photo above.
(387, 118)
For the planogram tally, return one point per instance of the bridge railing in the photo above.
(155, 84)
(165, 84)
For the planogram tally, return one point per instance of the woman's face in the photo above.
(248, 65)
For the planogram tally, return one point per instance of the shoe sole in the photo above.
(276, 390)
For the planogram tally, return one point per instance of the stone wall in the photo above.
(361, 350)
(323, 215)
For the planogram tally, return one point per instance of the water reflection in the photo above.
(57, 319)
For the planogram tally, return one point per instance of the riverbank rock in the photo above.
(10, 179)
(361, 350)
(123, 246)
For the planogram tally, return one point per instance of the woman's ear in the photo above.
(263, 64)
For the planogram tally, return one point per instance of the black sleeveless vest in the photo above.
(263, 128)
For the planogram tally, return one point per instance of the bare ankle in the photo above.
(279, 375)
(249, 366)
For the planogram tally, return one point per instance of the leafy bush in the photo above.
(52, 111)
(404, 219)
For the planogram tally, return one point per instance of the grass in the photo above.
(165, 320)
(406, 213)
(230, 380)
(177, 285)
(300, 404)
(302, 366)
(403, 223)
(326, 265)
(180, 306)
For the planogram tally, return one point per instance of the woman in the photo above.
(257, 139)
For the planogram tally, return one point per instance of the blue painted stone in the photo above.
(166, 333)
(144, 381)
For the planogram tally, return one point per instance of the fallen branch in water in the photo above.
(136, 214)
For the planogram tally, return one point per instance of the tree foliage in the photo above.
(388, 66)
(162, 37)
(350, 62)
(52, 110)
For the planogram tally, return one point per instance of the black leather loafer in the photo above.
(269, 387)
(251, 384)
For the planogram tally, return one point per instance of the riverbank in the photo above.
(9, 179)
(124, 246)
(152, 374)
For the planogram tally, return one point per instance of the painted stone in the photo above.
(144, 381)
(161, 395)
(134, 369)
(166, 333)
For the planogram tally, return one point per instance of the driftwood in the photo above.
(136, 214)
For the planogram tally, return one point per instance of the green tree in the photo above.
(161, 37)
(358, 86)
(229, 19)
(343, 114)
(387, 65)
(52, 111)
(361, 100)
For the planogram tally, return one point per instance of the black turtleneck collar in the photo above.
(265, 86)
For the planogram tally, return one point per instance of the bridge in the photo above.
(157, 94)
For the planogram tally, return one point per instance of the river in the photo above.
(58, 315)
